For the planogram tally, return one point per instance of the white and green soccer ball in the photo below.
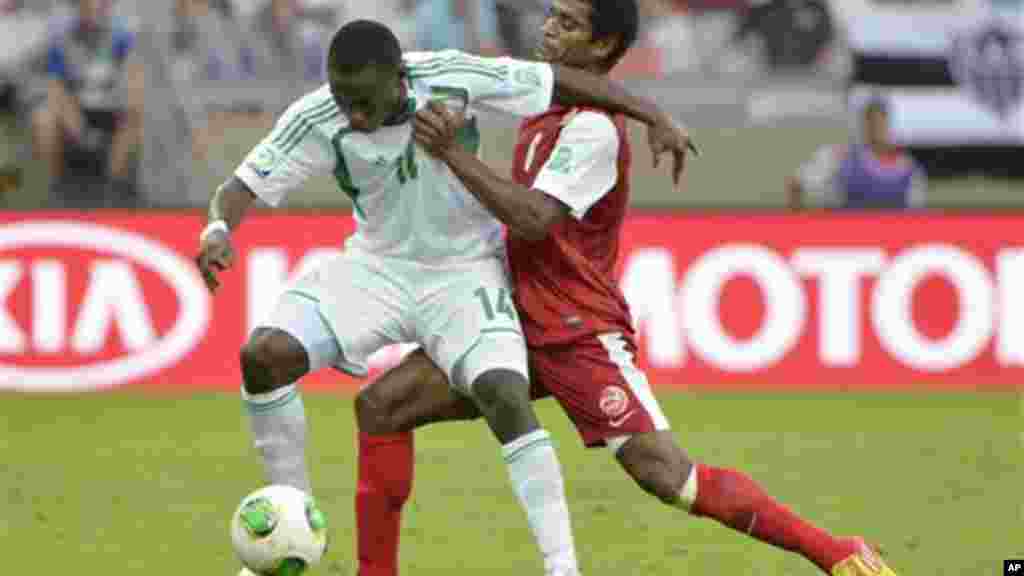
(279, 531)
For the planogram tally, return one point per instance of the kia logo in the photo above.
(113, 299)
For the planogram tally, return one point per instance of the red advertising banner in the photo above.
(746, 301)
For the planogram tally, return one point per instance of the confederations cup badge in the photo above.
(988, 61)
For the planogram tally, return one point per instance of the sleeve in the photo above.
(817, 176)
(291, 154)
(583, 165)
(516, 87)
(56, 64)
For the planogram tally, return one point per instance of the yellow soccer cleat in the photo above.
(865, 562)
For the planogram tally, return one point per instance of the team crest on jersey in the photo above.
(989, 62)
(613, 402)
(264, 162)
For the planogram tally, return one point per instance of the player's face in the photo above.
(568, 36)
(369, 96)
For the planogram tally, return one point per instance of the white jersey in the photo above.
(406, 204)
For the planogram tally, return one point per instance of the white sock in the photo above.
(278, 423)
(688, 495)
(537, 480)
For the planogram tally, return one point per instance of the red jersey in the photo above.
(565, 285)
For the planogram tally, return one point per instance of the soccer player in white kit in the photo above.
(426, 263)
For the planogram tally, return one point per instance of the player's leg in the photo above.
(334, 316)
(503, 396)
(410, 395)
(732, 498)
(657, 463)
(293, 342)
(629, 420)
(472, 332)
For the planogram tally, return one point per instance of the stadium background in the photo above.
(143, 477)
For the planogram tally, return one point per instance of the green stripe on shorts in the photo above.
(457, 365)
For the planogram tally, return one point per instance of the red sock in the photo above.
(735, 500)
(385, 481)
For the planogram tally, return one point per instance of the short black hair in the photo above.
(361, 43)
(615, 18)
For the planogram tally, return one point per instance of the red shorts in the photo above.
(599, 387)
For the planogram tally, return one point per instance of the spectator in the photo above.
(794, 34)
(871, 173)
(286, 52)
(519, 23)
(399, 14)
(23, 42)
(85, 131)
(190, 51)
(443, 24)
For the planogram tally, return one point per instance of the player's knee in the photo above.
(373, 413)
(503, 397)
(502, 390)
(365, 410)
(657, 465)
(272, 359)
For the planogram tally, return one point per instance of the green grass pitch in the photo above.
(131, 484)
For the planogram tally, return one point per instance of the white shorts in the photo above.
(353, 305)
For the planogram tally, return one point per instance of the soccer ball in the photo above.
(278, 530)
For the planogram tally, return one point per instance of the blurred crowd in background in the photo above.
(126, 103)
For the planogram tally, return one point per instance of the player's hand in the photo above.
(215, 255)
(671, 137)
(435, 128)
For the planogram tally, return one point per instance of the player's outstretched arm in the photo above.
(526, 212)
(575, 87)
(227, 208)
(526, 88)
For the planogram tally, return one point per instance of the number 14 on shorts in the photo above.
(495, 302)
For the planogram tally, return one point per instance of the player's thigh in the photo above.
(360, 308)
(412, 394)
(600, 388)
(471, 326)
(294, 320)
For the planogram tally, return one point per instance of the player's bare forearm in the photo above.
(574, 87)
(526, 212)
(230, 202)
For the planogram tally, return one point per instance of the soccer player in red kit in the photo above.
(564, 210)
